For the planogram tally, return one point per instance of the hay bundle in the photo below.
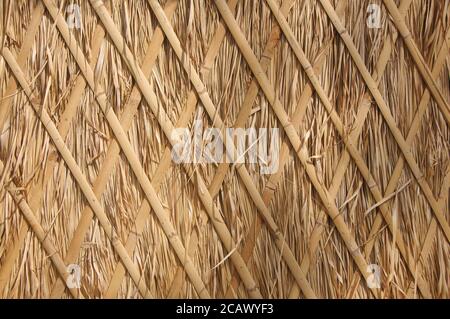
(92, 203)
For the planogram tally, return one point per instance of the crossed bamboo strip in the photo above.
(395, 177)
(336, 181)
(242, 117)
(165, 163)
(205, 197)
(350, 146)
(221, 171)
(242, 171)
(112, 155)
(63, 128)
(433, 225)
(33, 27)
(422, 66)
(297, 118)
(250, 97)
(5, 110)
(432, 229)
(293, 137)
(380, 68)
(76, 172)
(414, 129)
(39, 232)
(167, 126)
(132, 158)
(381, 65)
(384, 109)
(355, 154)
(212, 113)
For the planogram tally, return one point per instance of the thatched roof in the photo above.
(87, 115)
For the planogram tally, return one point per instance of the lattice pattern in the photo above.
(238, 278)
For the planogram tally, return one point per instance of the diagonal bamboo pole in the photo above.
(129, 153)
(28, 41)
(389, 119)
(413, 130)
(12, 253)
(397, 172)
(40, 233)
(250, 96)
(168, 128)
(380, 68)
(37, 191)
(164, 165)
(432, 219)
(242, 116)
(297, 118)
(76, 172)
(431, 233)
(422, 66)
(112, 155)
(359, 161)
(285, 250)
(294, 138)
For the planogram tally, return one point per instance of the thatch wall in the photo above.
(86, 175)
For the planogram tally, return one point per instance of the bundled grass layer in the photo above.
(86, 174)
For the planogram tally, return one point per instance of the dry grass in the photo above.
(364, 171)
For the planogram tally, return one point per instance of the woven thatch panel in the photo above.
(91, 93)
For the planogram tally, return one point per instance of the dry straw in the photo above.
(86, 174)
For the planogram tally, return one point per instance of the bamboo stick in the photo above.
(413, 130)
(63, 128)
(128, 151)
(167, 126)
(397, 172)
(377, 75)
(297, 118)
(293, 137)
(250, 97)
(5, 110)
(404, 241)
(399, 22)
(390, 121)
(40, 233)
(431, 233)
(166, 161)
(77, 173)
(359, 161)
(242, 171)
(345, 158)
(111, 158)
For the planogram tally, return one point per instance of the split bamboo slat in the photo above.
(359, 161)
(92, 94)
(76, 171)
(243, 173)
(168, 128)
(295, 140)
(63, 128)
(5, 110)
